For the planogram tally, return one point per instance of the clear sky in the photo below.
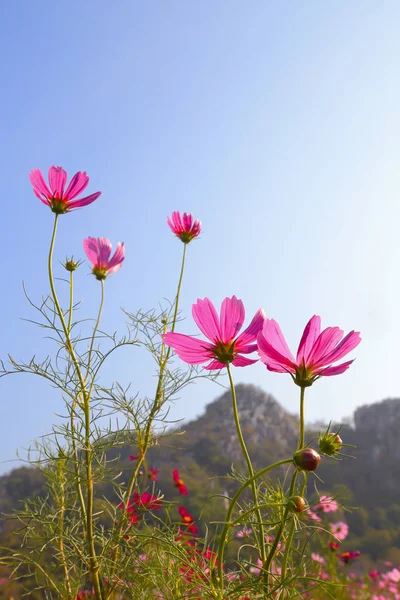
(277, 124)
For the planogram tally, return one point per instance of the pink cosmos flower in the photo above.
(340, 530)
(326, 504)
(316, 353)
(393, 575)
(318, 558)
(312, 515)
(184, 226)
(244, 533)
(98, 251)
(59, 199)
(256, 570)
(226, 345)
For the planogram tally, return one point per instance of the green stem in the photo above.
(278, 536)
(301, 436)
(61, 531)
(95, 328)
(164, 356)
(248, 461)
(77, 463)
(232, 505)
(290, 538)
(71, 300)
(291, 491)
(94, 567)
(178, 293)
(73, 409)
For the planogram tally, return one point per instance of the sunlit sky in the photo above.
(277, 124)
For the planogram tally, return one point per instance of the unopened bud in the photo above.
(306, 459)
(330, 443)
(297, 504)
(71, 264)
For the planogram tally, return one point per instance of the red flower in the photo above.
(346, 557)
(179, 483)
(153, 474)
(131, 457)
(146, 500)
(187, 520)
(130, 511)
(334, 546)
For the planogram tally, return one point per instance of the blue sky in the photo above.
(275, 123)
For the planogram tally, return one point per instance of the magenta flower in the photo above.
(60, 200)
(326, 504)
(98, 251)
(316, 353)
(318, 558)
(184, 226)
(340, 530)
(226, 345)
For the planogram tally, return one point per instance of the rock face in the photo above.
(263, 421)
(377, 428)
(381, 419)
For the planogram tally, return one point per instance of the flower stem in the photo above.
(278, 536)
(73, 409)
(178, 293)
(61, 503)
(94, 566)
(290, 538)
(232, 505)
(95, 328)
(71, 300)
(248, 461)
(301, 436)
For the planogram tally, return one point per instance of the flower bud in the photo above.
(71, 264)
(297, 504)
(306, 459)
(330, 443)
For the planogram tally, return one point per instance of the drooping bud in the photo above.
(306, 459)
(297, 504)
(330, 443)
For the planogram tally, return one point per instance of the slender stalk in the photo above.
(94, 567)
(301, 436)
(232, 505)
(71, 300)
(76, 463)
(61, 532)
(278, 536)
(95, 328)
(248, 461)
(73, 409)
(164, 356)
(178, 293)
(290, 538)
